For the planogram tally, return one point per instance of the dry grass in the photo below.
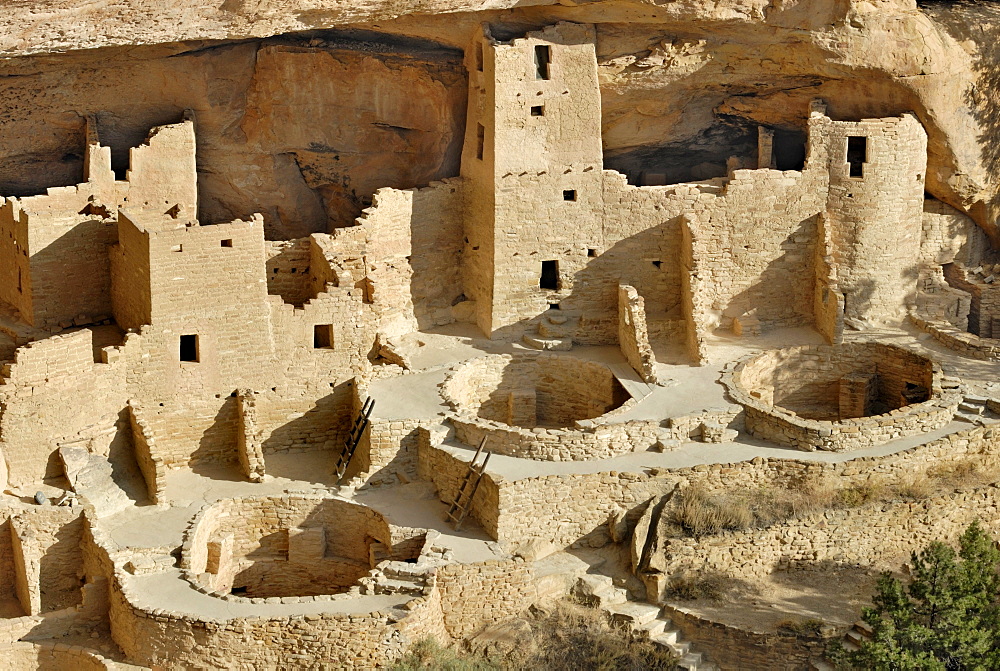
(566, 637)
(699, 512)
(711, 586)
(807, 627)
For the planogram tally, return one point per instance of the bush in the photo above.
(706, 586)
(807, 627)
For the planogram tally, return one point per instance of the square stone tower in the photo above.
(532, 163)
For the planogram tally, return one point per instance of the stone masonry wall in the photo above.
(633, 337)
(880, 536)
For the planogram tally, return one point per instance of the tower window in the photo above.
(323, 336)
(857, 155)
(189, 348)
(550, 275)
(227, 243)
(480, 141)
(569, 194)
(543, 56)
(538, 110)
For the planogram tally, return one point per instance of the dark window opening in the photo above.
(20, 287)
(569, 194)
(538, 110)
(550, 275)
(238, 590)
(480, 141)
(227, 243)
(657, 263)
(857, 155)
(554, 306)
(789, 150)
(543, 56)
(323, 336)
(189, 348)
(119, 162)
(591, 253)
(479, 56)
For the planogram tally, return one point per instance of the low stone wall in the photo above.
(879, 535)
(734, 648)
(595, 442)
(475, 595)
(633, 336)
(52, 657)
(963, 342)
(151, 465)
(750, 381)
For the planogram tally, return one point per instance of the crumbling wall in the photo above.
(413, 248)
(288, 270)
(36, 416)
(633, 337)
(147, 455)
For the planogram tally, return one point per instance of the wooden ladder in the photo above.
(351, 444)
(463, 499)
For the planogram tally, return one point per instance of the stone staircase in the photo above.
(973, 409)
(645, 618)
(555, 332)
(855, 636)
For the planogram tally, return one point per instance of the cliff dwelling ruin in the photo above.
(324, 334)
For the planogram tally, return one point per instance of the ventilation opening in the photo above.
(543, 56)
(538, 110)
(480, 141)
(857, 155)
(227, 243)
(657, 263)
(189, 348)
(323, 336)
(569, 194)
(550, 275)
(789, 150)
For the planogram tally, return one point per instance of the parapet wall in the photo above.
(808, 379)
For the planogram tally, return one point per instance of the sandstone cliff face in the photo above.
(304, 128)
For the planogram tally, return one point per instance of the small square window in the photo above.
(569, 194)
(657, 263)
(227, 243)
(591, 253)
(189, 348)
(554, 306)
(538, 110)
(323, 336)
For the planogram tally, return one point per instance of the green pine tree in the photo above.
(947, 618)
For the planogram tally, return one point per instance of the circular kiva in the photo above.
(841, 397)
(272, 546)
(543, 406)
